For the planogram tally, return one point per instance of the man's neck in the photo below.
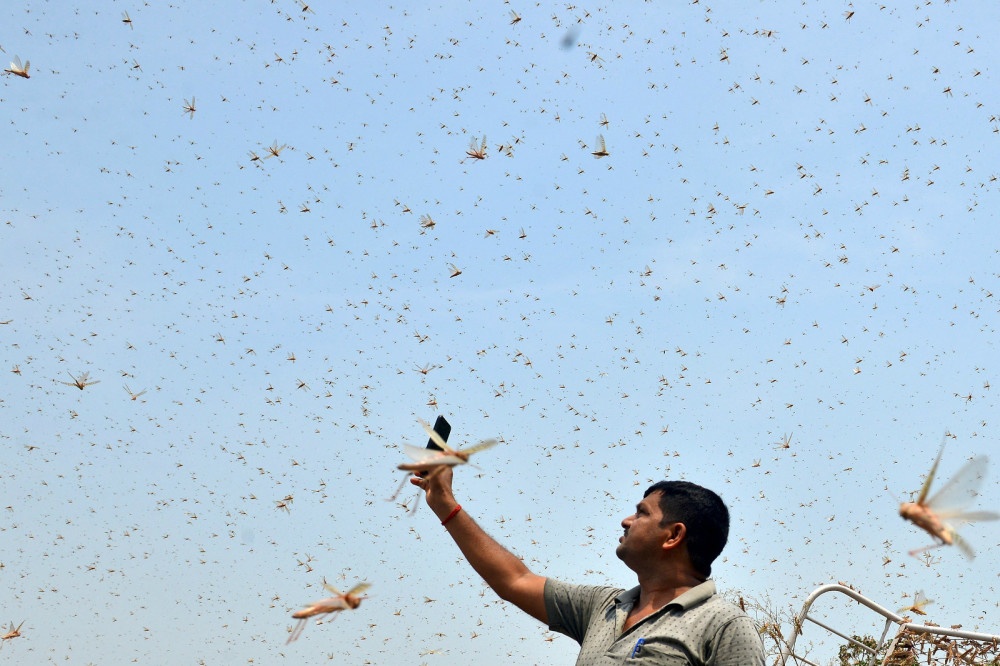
(658, 590)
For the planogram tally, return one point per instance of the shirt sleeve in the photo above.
(737, 643)
(570, 607)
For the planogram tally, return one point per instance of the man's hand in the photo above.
(437, 488)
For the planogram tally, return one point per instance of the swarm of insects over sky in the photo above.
(749, 246)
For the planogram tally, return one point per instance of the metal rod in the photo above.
(845, 637)
(788, 650)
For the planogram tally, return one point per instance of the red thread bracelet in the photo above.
(452, 514)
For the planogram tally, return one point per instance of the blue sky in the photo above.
(791, 236)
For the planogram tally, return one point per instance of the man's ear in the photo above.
(675, 536)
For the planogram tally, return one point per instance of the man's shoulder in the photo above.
(718, 631)
(707, 606)
(733, 633)
(572, 608)
(722, 608)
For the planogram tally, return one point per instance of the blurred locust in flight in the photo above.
(81, 381)
(11, 633)
(274, 150)
(133, 396)
(602, 149)
(937, 515)
(919, 601)
(17, 70)
(477, 151)
(341, 601)
(429, 462)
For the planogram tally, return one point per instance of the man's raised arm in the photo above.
(502, 570)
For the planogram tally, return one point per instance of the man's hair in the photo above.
(703, 513)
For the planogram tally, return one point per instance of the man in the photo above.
(672, 617)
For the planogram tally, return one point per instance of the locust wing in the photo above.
(429, 456)
(960, 491)
(359, 588)
(930, 477)
(481, 446)
(963, 545)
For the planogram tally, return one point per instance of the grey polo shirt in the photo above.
(696, 628)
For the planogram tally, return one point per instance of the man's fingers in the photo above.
(439, 477)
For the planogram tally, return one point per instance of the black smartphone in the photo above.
(443, 429)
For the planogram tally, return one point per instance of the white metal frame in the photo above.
(890, 619)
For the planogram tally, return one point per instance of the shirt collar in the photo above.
(695, 595)
(689, 599)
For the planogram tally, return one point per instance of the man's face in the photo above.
(643, 536)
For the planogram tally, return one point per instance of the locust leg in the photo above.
(399, 489)
(297, 630)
